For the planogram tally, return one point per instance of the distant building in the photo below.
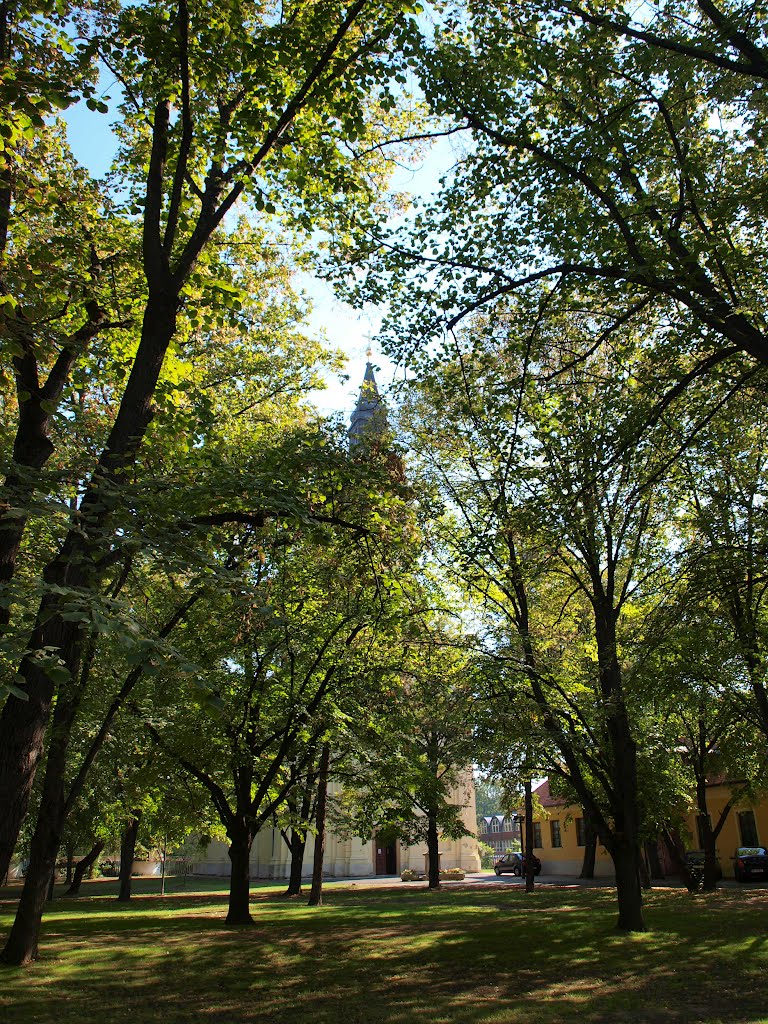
(348, 858)
(369, 418)
(500, 832)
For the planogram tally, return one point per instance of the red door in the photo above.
(386, 858)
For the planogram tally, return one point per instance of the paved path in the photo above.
(488, 878)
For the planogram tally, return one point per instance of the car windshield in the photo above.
(750, 851)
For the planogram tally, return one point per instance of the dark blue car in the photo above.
(514, 864)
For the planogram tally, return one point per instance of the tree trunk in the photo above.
(625, 839)
(433, 851)
(127, 856)
(23, 723)
(298, 841)
(46, 840)
(21, 946)
(654, 861)
(708, 844)
(316, 892)
(82, 866)
(645, 874)
(240, 877)
(590, 847)
(22, 730)
(626, 861)
(298, 845)
(529, 875)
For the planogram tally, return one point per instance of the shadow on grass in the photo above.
(400, 956)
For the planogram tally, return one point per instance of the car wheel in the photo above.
(497, 872)
(516, 871)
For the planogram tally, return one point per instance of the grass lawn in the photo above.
(482, 955)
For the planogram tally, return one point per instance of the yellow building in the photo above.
(560, 839)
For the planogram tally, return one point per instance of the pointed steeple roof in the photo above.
(370, 415)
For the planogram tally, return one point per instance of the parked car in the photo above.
(694, 860)
(750, 862)
(514, 863)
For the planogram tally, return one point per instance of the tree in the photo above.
(316, 891)
(697, 678)
(414, 755)
(724, 480)
(488, 797)
(262, 106)
(284, 656)
(620, 173)
(217, 460)
(559, 532)
(298, 812)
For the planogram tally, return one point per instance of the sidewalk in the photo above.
(485, 878)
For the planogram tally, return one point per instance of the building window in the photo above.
(495, 825)
(581, 832)
(537, 843)
(554, 829)
(747, 828)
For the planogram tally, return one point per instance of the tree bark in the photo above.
(21, 946)
(708, 844)
(709, 880)
(316, 892)
(46, 840)
(590, 847)
(298, 841)
(654, 861)
(433, 851)
(32, 447)
(298, 845)
(70, 863)
(624, 844)
(127, 856)
(22, 731)
(626, 862)
(82, 866)
(529, 875)
(240, 877)
(23, 723)
(645, 874)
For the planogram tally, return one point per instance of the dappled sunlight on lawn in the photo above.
(395, 955)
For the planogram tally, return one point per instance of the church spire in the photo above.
(369, 418)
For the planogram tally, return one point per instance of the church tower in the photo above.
(369, 431)
(369, 418)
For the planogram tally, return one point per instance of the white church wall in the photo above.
(349, 858)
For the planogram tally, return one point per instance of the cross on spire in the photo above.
(370, 415)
